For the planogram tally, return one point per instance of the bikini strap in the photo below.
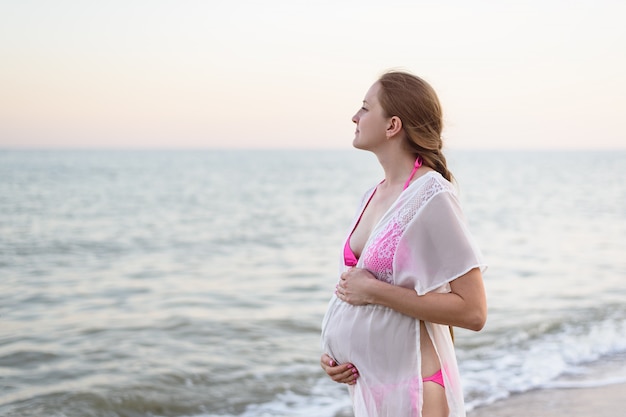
(418, 163)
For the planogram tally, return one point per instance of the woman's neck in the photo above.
(397, 167)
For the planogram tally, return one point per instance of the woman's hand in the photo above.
(345, 373)
(355, 286)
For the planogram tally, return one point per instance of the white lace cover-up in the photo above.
(423, 243)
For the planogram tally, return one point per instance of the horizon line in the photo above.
(287, 148)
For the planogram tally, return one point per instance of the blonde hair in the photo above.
(415, 102)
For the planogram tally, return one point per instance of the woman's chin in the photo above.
(356, 144)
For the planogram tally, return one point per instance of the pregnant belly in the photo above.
(372, 337)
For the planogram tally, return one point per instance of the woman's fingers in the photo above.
(326, 361)
(345, 373)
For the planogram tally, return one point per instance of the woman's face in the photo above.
(370, 120)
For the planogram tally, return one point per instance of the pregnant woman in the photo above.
(410, 269)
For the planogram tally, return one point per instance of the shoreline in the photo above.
(606, 401)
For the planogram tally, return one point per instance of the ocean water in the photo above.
(193, 283)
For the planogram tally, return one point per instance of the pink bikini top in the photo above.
(349, 258)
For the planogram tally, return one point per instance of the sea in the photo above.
(171, 283)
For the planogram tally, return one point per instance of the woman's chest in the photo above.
(371, 217)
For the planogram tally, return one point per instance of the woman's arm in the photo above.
(465, 306)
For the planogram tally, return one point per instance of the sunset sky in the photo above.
(546, 74)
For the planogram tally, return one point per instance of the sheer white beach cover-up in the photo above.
(423, 243)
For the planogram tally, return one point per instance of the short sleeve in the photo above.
(436, 247)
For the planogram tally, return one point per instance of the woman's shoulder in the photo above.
(431, 184)
(367, 194)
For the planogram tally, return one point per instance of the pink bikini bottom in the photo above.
(437, 377)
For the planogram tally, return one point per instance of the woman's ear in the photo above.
(393, 127)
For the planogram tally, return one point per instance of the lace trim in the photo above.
(378, 256)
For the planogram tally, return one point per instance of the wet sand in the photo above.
(606, 401)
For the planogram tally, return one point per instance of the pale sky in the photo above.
(547, 74)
